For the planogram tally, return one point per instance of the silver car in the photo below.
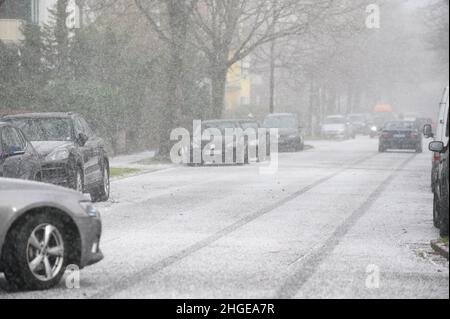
(43, 229)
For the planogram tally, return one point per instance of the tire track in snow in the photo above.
(129, 281)
(312, 261)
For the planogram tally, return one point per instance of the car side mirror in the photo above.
(82, 139)
(437, 146)
(428, 131)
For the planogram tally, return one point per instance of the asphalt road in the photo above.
(339, 220)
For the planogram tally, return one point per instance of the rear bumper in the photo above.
(400, 144)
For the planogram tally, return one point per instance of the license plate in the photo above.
(399, 135)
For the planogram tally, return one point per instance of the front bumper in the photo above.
(90, 233)
(288, 142)
(56, 172)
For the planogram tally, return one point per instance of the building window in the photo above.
(35, 11)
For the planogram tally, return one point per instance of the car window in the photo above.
(400, 126)
(11, 140)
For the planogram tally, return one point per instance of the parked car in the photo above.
(255, 125)
(72, 155)
(43, 229)
(441, 191)
(18, 158)
(400, 135)
(290, 132)
(337, 126)
(438, 134)
(209, 147)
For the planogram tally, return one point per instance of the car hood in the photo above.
(18, 185)
(46, 147)
(333, 127)
(287, 131)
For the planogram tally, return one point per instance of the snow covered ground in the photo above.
(339, 220)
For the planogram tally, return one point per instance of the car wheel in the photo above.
(436, 219)
(103, 191)
(36, 254)
(381, 149)
(419, 149)
(443, 217)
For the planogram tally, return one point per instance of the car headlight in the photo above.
(58, 155)
(90, 209)
(374, 128)
(292, 136)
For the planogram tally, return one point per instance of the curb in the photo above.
(440, 248)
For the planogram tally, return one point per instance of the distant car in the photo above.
(210, 152)
(18, 158)
(338, 127)
(43, 229)
(359, 122)
(400, 135)
(255, 125)
(72, 154)
(290, 132)
(438, 134)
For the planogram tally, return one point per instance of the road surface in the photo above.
(339, 220)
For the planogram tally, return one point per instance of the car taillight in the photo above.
(414, 134)
(437, 156)
(387, 134)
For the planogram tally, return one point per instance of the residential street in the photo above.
(312, 230)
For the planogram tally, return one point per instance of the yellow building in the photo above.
(238, 87)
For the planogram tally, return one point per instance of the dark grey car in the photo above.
(18, 158)
(44, 228)
(72, 155)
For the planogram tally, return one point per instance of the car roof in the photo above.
(280, 114)
(41, 115)
(218, 121)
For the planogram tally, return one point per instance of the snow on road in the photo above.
(318, 228)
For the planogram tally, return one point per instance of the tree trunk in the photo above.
(218, 83)
(178, 20)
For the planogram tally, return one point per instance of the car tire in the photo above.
(381, 149)
(436, 217)
(101, 194)
(443, 216)
(29, 265)
(419, 149)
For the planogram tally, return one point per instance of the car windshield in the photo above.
(45, 129)
(356, 118)
(335, 120)
(218, 125)
(246, 125)
(285, 121)
(400, 126)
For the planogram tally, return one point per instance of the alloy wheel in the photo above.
(45, 252)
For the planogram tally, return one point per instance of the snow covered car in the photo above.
(338, 127)
(290, 133)
(72, 155)
(43, 229)
(400, 135)
(18, 158)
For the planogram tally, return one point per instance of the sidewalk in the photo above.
(138, 163)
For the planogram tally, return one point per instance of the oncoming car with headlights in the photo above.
(43, 229)
(72, 155)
